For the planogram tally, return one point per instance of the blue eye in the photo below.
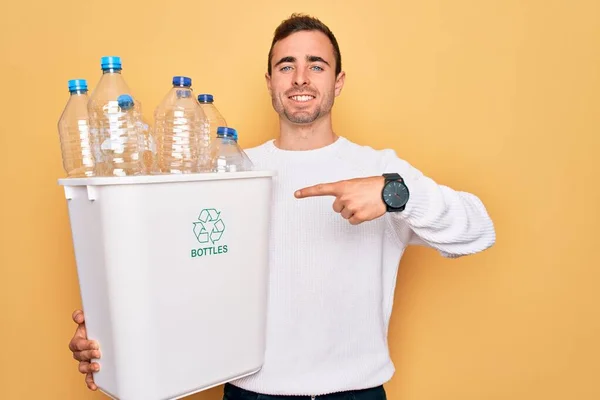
(317, 68)
(286, 68)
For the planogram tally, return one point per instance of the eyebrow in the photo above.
(308, 58)
(316, 59)
(286, 59)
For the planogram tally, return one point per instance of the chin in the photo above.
(301, 118)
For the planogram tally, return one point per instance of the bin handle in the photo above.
(69, 192)
(92, 193)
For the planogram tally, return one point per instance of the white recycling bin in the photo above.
(173, 273)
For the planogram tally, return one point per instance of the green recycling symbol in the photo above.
(210, 226)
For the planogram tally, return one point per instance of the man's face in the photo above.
(303, 84)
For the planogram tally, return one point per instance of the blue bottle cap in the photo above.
(205, 98)
(225, 131)
(77, 84)
(110, 62)
(182, 81)
(125, 102)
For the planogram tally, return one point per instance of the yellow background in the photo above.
(500, 98)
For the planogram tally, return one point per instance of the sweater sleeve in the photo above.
(452, 222)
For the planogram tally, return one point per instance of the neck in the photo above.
(296, 137)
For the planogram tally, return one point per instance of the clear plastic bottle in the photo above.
(227, 155)
(125, 146)
(214, 117)
(74, 133)
(150, 164)
(246, 163)
(181, 131)
(115, 119)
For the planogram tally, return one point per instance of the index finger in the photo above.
(322, 189)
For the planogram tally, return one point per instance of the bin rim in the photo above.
(164, 178)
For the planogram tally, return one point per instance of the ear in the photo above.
(339, 83)
(268, 80)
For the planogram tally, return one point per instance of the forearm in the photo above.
(455, 223)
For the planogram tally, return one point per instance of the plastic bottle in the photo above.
(125, 146)
(115, 119)
(181, 131)
(74, 133)
(246, 164)
(214, 117)
(150, 164)
(227, 156)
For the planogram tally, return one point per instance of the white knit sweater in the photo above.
(332, 283)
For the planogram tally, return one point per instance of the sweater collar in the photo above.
(328, 150)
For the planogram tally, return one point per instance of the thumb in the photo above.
(78, 317)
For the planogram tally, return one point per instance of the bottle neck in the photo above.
(183, 92)
(78, 92)
(111, 71)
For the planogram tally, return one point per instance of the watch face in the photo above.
(395, 194)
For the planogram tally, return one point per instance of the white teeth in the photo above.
(302, 98)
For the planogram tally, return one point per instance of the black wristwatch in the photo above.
(395, 193)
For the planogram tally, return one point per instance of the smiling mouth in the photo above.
(302, 98)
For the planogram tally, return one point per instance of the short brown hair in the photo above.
(300, 22)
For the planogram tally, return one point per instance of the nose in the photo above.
(301, 78)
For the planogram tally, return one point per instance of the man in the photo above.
(339, 229)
